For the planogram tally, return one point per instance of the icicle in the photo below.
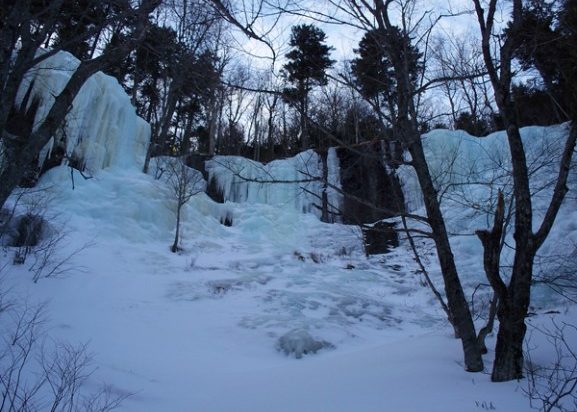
(335, 197)
(102, 129)
(289, 182)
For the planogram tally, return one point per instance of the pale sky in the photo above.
(343, 38)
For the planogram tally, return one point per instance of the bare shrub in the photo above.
(184, 183)
(39, 374)
(37, 236)
(554, 386)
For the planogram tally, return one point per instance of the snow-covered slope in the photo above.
(102, 129)
(201, 330)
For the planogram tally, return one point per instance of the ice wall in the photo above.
(468, 171)
(334, 189)
(296, 182)
(102, 129)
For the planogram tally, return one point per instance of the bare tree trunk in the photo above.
(270, 130)
(488, 328)
(303, 117)
(174, 247)
(491, 241)
(212, 127)
(509, 349)
(153, 139)
(456, 301)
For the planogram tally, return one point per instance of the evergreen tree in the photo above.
(545, 40)
(308, 63)
(475, 126)
(374, 72)
(153, 60)
(80, 23)
(372, 69)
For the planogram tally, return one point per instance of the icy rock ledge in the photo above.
(299, 342)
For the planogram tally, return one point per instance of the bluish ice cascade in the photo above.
(296, 182)
(101, 129)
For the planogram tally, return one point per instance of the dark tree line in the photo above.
(541, 41)
(172, 75)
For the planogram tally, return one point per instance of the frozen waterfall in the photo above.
(296, 182)
(102, 129)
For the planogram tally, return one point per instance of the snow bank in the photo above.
(102, 129)
(294, 183)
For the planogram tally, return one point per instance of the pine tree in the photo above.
(545, 40)
(308, 63)
(80, 23)
(373, 70)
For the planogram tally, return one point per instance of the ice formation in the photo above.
(474, 168)
(299, 342)
(296, 182)
(469, 171)
(102, 129)
(334, 195)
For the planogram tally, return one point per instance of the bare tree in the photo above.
(271, 101)
(460, 60)
(37, 373)
(514, 297)
(183, 183)
(198, 34)
(554, 386)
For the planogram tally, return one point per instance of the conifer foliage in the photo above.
(308, 63)
(373, 69)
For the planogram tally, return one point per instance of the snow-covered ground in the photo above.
(224, 324)
(200, 330)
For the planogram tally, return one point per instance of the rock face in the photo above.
(372, 192)
(380, 238)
